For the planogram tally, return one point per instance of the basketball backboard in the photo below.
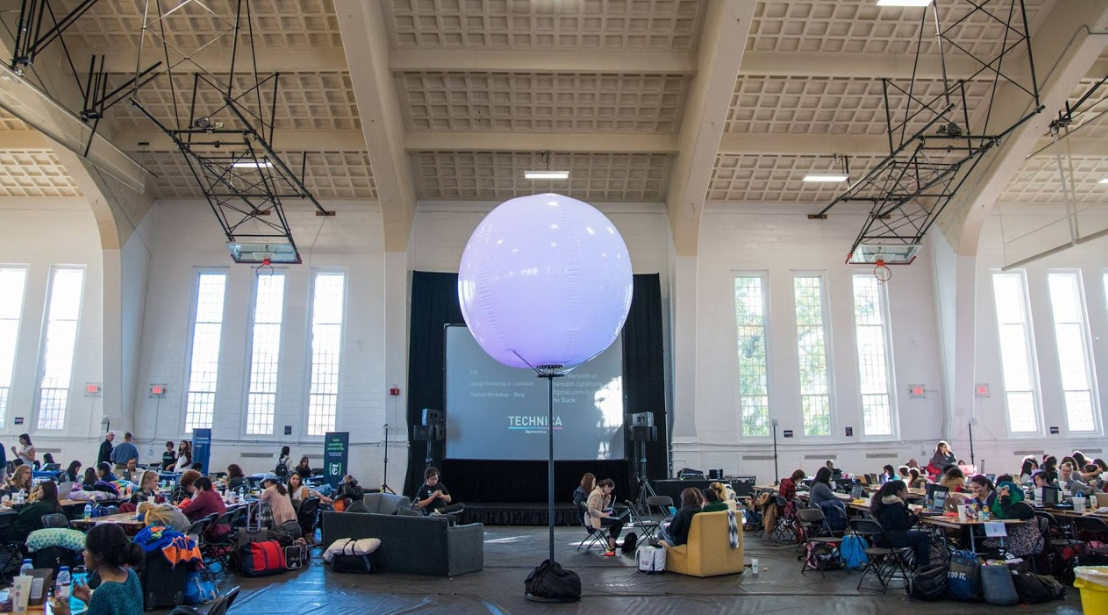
(871, 254)
(258, 253)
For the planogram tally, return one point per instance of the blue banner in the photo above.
(202, 448)
(336, 447)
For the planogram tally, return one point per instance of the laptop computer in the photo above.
(64, 489)
(856, 492)
(991, 477)
(1052, 496)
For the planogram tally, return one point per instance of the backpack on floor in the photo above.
(928, 583)
(997, 585)
(262, 559)
(1036, 588)
(853, 552)
(821, 556)
(963, 577)
(297, 555)
(651, 558)
(629, 543)
(550, 582)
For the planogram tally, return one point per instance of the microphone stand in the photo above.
(385, 482)
(776, 474)
(972, 458)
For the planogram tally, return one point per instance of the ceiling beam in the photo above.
(283, 141)
(364, 37)
(540, 142)
(845, 64)
(218, 60)
(803, 145)
(722, 43)
(599, 61)
(1064, 53)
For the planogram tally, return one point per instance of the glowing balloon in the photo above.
(545, 280)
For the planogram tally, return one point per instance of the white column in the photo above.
(956, 293)
(397, 292)
(683, 302)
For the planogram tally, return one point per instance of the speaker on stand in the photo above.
(642, 431)
(432, 429)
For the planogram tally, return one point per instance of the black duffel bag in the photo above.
(928, 583)
(552, 583)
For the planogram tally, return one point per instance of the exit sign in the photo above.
(916, 391)
(157, 390)
(92, 389)
(981, 390)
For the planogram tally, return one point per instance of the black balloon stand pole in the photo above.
(550, 372)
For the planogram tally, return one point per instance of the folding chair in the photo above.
(785, 526)
(594, 535)
(884, 562)
(648, 526)
(660, 502)
(1095, 527)
(817, 541)
(219, 607)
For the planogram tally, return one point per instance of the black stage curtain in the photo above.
(435, 305)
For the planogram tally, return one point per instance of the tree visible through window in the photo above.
(750, 321)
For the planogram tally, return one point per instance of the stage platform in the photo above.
(510, 513)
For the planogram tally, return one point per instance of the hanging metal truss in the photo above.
(222, 128)
(936, 141)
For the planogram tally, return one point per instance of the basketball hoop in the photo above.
(882, 272)
(265, 263)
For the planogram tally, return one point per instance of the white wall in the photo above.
(1036, 228)
(780, 240)
(186, 238)
(39, 233)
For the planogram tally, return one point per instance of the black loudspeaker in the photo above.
(642, 419)
(432, 417)
(428, 432)
(715, 474)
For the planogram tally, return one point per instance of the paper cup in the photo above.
(962, 512)
(754, 565)
(21, 593)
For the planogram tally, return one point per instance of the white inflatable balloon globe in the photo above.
(545, 280)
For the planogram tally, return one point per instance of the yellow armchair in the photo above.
(708, 552)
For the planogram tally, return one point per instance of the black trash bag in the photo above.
(550, 582)
(1036, 588)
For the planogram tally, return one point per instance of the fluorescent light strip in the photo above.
(1103, 181)
(909, 3)
(546, 174)
(252, 165)
(826, 178)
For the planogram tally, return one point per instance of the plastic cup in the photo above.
(21, 593)
(962, 513)
(1079, 505)
(754, 565)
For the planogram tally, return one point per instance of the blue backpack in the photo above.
(834, 515)
(853, 552)
(963, 580)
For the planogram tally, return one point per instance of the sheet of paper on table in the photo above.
(995, 529)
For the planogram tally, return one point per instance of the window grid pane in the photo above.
(812, 349)
(750, 319)
(261, 403)
(204, 367)
(327, 314)
(12, 286)
(1073, 356)
(871, 332)
(1010, 298)
(61, 344)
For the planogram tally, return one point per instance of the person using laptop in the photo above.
(598, 505)
(890, 508)
(72, 474)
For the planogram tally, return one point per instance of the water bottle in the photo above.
(242, 496)
(88, 511)
(62, 585)
(25, 571)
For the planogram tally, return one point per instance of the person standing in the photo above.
(26, 451)
(106, 448)
(168, 457)
(125, 452)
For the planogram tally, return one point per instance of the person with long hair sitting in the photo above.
(165, 515)
(890, 508)
(44, 501)
(676, 532)
(598, 505)
(581, 493)
(277, 497)
(111, 556)
(147, 488)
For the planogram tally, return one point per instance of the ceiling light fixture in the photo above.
(545, 173)
(825, 178)
(250, 164)
(1103, 181)
(910, 3)
(831, 177)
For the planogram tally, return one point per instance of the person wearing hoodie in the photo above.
(890, 508)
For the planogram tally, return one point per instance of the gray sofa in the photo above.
(410, 544)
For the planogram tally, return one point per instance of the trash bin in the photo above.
(1093, 583)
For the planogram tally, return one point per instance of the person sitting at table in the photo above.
(1094, 473)
(890, 509)
(917, 479)
(185, 488)
(888, 473)
(131, 472)
(20, 481)
(821, 488)
(72, 474)
(89, 480)
(902, 473)
(1080, 458)
(581, 493)
(1050, 467)
(598, 506)
(236, 478)
(298, 491)
(168, 457)
(165, 515)
(112, 557)
(104, 472)
(147, 488)
(984, 492)
(44, 501)
(204, 502)
(676, 532)
(1027, 468)
(725, 492)
(712, 503)
(787, 488)
(953, 479)
(277, 497)
(304, 468)
(1070, 480)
